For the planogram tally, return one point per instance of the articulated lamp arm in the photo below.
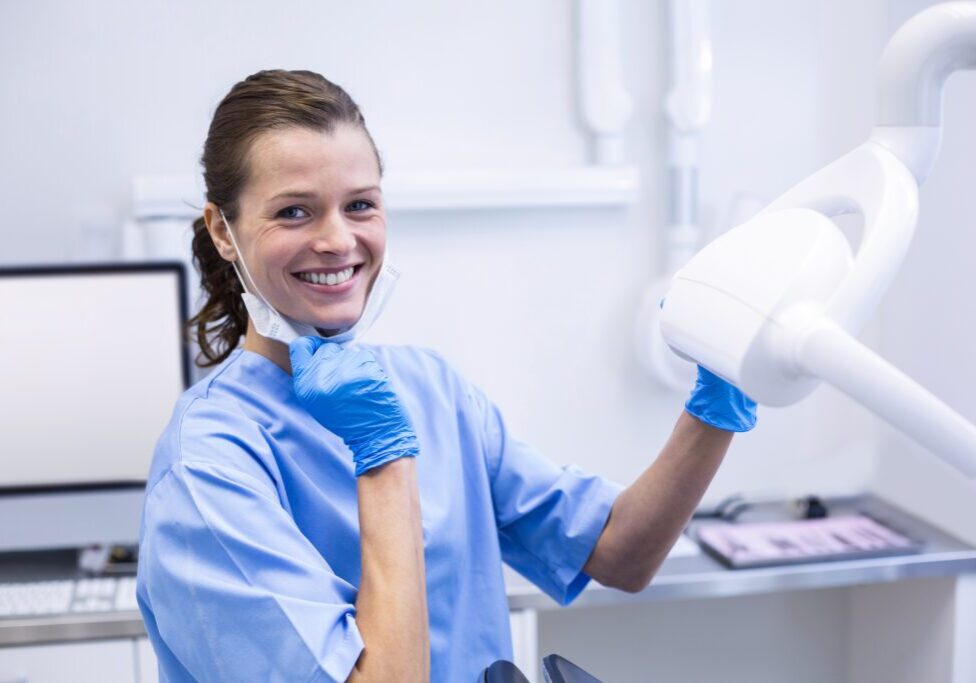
(916, 63)
(774, 305)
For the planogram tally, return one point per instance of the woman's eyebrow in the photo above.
(297, 194)
(368, 188)
(292, 194)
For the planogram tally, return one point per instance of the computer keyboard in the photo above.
(68, 596)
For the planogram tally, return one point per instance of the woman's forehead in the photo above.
(307, 160)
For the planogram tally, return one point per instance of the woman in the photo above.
(318, 512)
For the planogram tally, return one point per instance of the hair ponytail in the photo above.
(220, 323)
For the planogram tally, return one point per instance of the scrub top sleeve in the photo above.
(549, 517)
(237, 592)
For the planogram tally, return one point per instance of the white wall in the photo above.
(96, 92)
(537, 307)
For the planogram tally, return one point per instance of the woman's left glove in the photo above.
(719, 404)
(348, 393)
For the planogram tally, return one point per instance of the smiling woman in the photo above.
(322, 511)
(290, 163)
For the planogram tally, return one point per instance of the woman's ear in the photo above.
(219, 232)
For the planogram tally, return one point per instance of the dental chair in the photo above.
(556, 669)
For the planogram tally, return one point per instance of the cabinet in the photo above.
(107, 661)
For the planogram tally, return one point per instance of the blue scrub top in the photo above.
(249, 546)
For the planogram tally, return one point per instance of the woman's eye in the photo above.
(360, 205)
(292, 212)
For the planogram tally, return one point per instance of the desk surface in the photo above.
(701, 576)
(697, 576)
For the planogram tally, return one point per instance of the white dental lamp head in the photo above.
(774, 305)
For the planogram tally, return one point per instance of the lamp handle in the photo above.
(826, 351)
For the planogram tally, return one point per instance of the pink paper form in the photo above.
(844, 537)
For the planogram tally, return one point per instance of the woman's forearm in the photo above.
(391, 610)
(650, 514)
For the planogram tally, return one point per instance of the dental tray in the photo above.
(764, 544)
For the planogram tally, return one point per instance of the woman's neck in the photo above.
(275, 351)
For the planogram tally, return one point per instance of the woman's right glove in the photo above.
(348, 393)
(719, 404)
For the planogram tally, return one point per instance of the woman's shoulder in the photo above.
(235, 390)
(218, 419)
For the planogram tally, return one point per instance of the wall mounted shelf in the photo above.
(181, 196)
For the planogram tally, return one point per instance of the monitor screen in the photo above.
(92, 360)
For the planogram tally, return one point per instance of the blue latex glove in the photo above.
(719, 404)
(348, 393)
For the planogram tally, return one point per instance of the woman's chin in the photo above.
(331, 332)
(330, 328)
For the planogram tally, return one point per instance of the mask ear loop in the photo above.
(240, 257)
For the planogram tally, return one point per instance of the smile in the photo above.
(330, 279)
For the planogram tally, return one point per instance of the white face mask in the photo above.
(271, 324)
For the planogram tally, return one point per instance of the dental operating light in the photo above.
(775, 304)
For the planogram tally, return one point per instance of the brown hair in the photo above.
(263, 101)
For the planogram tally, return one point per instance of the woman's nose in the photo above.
(334, 235)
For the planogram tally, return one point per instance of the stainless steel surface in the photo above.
(70, 627)
(704, 577)
(679, 578)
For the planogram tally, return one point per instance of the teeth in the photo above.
(328, 279)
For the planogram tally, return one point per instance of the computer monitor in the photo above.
(92, 360)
